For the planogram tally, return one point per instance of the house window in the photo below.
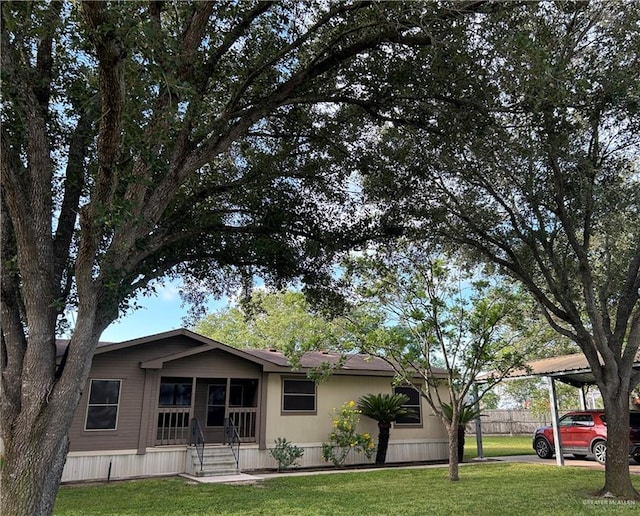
(413, 404)
(298, 395)
(102, 410)
(175, 392)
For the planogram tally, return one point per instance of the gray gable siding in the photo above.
(136, 419)
(121, 364)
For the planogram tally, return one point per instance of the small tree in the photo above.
(419, 312)
(385, 409)
(467, 414)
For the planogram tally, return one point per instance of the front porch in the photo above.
(211, 401)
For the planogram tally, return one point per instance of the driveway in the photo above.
(569, 460)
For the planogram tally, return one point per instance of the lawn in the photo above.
(489, 488)
(498, 446)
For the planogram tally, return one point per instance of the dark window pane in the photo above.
(307, 403)
(101, 418)
(166, 394)
(299, 387)
(217, 394)
(104, 392)
(236, 396)
(215, 416)
(413, 419)
(411, 393)
(182, 394)
(414, 404)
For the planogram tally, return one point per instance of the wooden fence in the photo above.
(510, 422)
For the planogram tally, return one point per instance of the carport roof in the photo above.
(572, 369)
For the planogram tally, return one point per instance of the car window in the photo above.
(566, 421)
(634, 419)
(583, 419)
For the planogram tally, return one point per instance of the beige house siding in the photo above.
(331, 394)
(130, 450)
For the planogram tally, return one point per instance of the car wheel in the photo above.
(579, 455)
(543, 450)
(636, 458)
(600, 451)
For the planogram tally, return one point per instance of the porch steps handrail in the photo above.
(232, 438)
(197, 439)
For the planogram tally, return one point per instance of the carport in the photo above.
(571, 369)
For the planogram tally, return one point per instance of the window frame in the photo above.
(89, 405)
(415, 388)
(298, 412)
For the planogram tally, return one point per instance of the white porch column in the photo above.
(554, 421)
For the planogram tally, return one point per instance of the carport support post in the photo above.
(554, 421)
(478, 425)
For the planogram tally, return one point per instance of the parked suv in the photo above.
(584, 433)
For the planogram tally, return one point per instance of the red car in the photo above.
(584, 433)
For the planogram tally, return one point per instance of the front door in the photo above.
(230, 399)
(216, 411)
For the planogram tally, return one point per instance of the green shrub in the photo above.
(286, 453)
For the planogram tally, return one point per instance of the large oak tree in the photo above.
(144, 140)
(536, 171)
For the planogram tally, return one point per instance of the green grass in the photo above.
(498, 446)
(489, 488)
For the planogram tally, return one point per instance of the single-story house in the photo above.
(136, 415)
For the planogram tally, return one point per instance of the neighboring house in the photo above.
(135, 413)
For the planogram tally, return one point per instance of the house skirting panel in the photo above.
(400, 451)
(122, 464)
(162, 461)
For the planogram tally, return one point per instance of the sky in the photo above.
(159, 313)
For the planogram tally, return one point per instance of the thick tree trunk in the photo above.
(31, 474)
(383, 442)
(35, 436)
(617, 479)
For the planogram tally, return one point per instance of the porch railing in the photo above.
(232, 438)
(244, 420)
(197, 439)
(173, 425)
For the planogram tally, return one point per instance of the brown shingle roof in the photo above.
(356, 363)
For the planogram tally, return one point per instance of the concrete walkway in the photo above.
(244, 478)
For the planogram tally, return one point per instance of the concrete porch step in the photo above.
(217, 461)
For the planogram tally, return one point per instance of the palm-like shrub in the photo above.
(467, 414)
(385, 409)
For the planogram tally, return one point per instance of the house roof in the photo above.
(270, 360)
(572, 369)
